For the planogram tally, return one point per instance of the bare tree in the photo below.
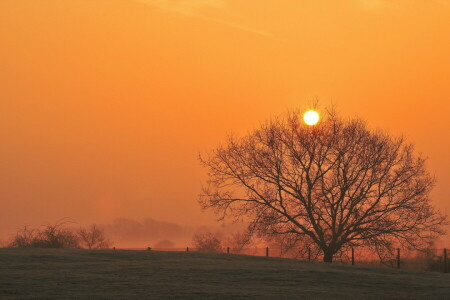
(93, 238)
(207, 242)
(333, 185)
(238, 241)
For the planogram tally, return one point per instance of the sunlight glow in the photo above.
(311, 117)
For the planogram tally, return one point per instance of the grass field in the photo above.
(107, 274)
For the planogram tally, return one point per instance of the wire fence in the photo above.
(435, 260)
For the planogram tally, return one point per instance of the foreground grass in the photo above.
(106, 274)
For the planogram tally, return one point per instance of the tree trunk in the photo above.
(327, 256)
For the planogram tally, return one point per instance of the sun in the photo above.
(311, 117)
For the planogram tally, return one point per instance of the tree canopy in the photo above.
(337, 184)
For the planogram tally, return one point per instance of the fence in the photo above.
(435, 260)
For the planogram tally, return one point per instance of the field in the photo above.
(120, 274)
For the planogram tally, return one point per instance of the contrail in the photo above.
(192, 8)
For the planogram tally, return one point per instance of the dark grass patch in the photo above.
(107, 274)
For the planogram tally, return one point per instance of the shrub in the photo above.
(56, 236)
(24, 238)
(60, 236)
(51, 236)
(207, 242)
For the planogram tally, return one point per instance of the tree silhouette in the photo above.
(333, 185)
(93, 238)
(207, 242)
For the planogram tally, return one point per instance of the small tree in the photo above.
(239, 240)
(93, 238)
(207, 242)
(333, 185)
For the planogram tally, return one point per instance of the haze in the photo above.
(105, 105)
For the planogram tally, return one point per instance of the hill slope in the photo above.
(38, 273)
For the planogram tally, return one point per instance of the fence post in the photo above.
(309, 254)
(445, 261)
(228, 250)
(187, 249)
(267, 251)
(398, 258)
(353, 256)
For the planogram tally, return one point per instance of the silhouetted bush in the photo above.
(56, 236)
(24, 238)
(207, 242)
(60, 236)
(239, 240)
(51, 236)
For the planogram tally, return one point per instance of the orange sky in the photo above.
(105, 104)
